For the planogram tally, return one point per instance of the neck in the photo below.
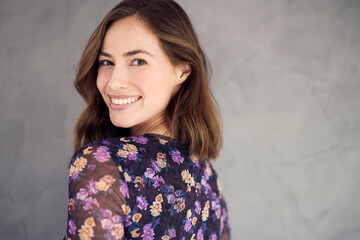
(158, 126)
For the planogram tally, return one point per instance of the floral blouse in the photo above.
(143, 187)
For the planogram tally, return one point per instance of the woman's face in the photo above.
(136, 78)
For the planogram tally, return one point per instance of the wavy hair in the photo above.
(192, 114)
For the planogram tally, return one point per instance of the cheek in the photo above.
(98, 84)
(101, 82)
(160, 92)
(163, 80)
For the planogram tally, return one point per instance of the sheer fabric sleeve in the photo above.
(225, 234)
(96, 203)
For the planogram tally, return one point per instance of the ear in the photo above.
(183, 71)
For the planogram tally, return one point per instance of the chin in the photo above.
(121, 123)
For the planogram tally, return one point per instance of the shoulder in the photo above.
(101, 150)
(105, 150)
(93, 159)
(95, 168)
(123, 150)
(94, 151)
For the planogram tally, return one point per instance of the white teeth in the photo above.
(124, 101)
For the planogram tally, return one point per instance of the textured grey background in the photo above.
(287, 77)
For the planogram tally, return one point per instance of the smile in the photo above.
(124, 101)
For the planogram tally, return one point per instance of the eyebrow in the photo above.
(128, 54)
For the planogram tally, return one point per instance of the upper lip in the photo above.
(123, 96)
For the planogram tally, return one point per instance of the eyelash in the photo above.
(102, 62)
(140, 60)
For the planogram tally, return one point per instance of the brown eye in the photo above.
(105, 63)
(139, 62)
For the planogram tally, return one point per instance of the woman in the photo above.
(142, 146)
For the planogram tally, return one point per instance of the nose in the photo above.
(118, 79)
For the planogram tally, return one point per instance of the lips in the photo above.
(123, 96)
(122, 102)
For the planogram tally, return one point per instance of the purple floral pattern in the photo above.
(143, 187)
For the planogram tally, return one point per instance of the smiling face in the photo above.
(136, 78)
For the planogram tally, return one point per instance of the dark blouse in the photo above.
(143, 187)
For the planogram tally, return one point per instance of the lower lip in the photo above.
(117, 107)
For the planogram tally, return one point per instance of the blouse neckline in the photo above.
(159, 135)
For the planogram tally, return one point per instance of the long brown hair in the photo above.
(192, 114)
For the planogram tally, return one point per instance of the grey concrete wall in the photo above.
(286, 74)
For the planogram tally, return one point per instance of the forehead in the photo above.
(130, 33)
